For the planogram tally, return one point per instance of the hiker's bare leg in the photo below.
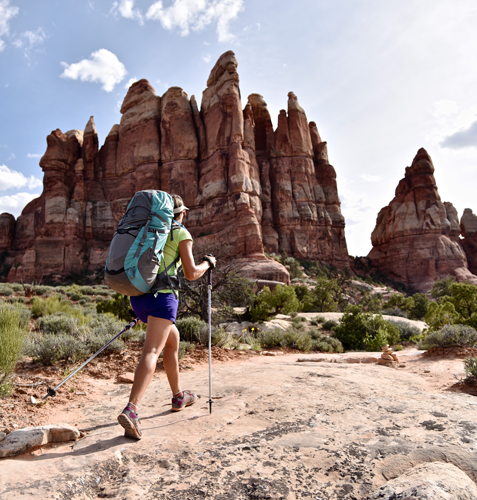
(158, 330)
(171, 360)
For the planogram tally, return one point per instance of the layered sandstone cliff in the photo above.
(250, 189)
(416, 238)
(468, 227)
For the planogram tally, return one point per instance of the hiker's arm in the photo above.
(191, 270)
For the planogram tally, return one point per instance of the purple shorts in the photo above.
(164, 306)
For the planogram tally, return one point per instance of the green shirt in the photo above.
(171, 251)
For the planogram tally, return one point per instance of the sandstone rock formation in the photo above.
(468, 227)
(416, 238)
(250, 189)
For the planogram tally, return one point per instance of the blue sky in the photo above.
(380, 79)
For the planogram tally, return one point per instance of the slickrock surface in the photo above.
(416, 238)
(250, 188)
(468, 226)
(279, 430)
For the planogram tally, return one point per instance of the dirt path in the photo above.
(279, 429)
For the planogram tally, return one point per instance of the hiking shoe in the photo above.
(188, 398)
(129, 420)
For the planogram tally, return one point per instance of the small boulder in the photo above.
(429, 481)
(126, 378)
(22, 440)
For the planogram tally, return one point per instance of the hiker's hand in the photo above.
(211, 260)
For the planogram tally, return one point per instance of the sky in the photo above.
(380, 78)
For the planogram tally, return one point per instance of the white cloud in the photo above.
(466, 138)
(207, 58)
(33, 155)
(15, 203)
(29, 39)
(12, 156)
(12, 179)
(371, 178)
(196, 15)
(130, 82)
(103, 67)
(6, 13)
(126, 9)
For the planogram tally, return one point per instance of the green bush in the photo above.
(361, 330)
(470, 367)
(41, 307)
(16, 287)
(6, 291)
(87, 290)
(317, 321)
(192, 329)
(48, 349)
(282, 301)
(42, 290)
(59, 323)
(328, 295)
(305, 297)
(13, 335)
(76, 296)
(421, 305)
(330, 324)
(406, 330)
(277, 337)
(184, 349)
(323, 343)
(99, 298)
(118, 305)
(12, 300)
(394, 311)
(450, 335)
(442, 287)
(372, 302)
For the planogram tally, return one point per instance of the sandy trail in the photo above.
(279, 429)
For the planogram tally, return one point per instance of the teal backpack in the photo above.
(136, 250)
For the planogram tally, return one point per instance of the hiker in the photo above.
(159, 311)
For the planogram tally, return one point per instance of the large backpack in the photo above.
(136, 250)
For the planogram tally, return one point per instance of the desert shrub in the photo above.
(293, 314)
(13, 335)
(99, 298)
(394, 311)
(361, 330)
(293, 338)
(185, 348)
(12, 299)
(41, 307)
(317, 321)
(118, 305)
(442, 287)
(450, 335)
(406, 330)
(282, 301)
(76, 296)
(305, 297)
(372, 302)
(6, 291)
(330, 324)
(87, 290)
(295, 268)
(421, 305)
(470, 367)
(323, 343)
(22, 300)
(191, 329)
(328, 294)
(16, 287)
(59, 323)
(48, 349)
(42, 289)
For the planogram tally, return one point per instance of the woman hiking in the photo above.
(159, 311)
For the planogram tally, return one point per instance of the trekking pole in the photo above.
(52, 392)
(210, 338)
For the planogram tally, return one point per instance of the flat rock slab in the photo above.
(23, 440)
(278, 430)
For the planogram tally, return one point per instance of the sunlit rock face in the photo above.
(250, 189)
(416, 238)
(468, 226)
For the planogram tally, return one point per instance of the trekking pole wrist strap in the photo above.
(209, 260)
